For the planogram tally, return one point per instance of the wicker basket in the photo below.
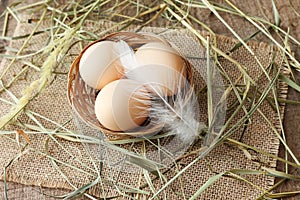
(82, 97)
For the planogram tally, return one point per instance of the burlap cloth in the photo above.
(34, 168)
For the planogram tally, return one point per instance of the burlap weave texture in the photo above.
(34, 168)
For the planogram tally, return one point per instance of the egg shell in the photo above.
(159, 53)
(99, 65)
(159, 79)
(122, 105)
(160, 65)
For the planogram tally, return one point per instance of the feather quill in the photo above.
(179, 113)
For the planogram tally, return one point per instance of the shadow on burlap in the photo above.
(35, 168)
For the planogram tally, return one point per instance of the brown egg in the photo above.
(99, 65)
(122, 105)
(160, 65)
(159, 53)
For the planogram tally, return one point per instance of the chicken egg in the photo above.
(159, 53)
(161, 66)
(99, 65)
(122, 105)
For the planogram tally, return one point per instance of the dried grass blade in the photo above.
(53, 161)
(288, 149)
(46, 71)
(209, 83)
(144, 163)
(211, 8)
(276, 14)
(238, 45)
(203, 40)
(291, 83)
(25, 136)
(10, 11)
(149, 181)
(282, 195)
(81, 191)
(278, 174)
(10, 94)
(23, 151)
(5, 23)
(240, 144)
(266, 34)
(207, 184)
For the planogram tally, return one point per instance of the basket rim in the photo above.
(74, 72)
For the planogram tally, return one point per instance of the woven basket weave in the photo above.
(82, 97)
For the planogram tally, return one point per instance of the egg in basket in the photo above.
(134, 84)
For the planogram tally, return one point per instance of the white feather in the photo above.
(126, 55)
(179, 113)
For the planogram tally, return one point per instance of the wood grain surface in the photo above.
(290, 19)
